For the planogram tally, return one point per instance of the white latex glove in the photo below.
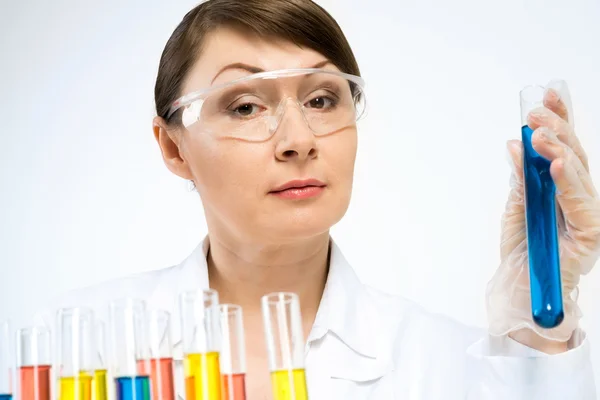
(508, 293)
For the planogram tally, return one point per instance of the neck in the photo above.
(243, 272)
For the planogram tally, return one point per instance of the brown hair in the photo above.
(302, 22)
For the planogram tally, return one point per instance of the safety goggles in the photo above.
(252, 108)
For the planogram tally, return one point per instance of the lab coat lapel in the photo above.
(349, 353)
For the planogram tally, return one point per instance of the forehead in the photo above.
(226, 46)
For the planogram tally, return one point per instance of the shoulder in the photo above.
(138, 285)
(157, 288)
(97, 297)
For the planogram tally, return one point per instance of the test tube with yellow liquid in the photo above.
(74, 357)
(285, 345)
(201, 334)
(100, 379)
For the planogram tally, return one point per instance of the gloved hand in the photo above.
(508, 293)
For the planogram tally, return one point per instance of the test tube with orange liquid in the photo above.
(128, 343)
(285, 345)
(201, 334)
(34, 363)
(158, 362)
(75, 351)
(233, 352)
(6, 362)
(100, 363)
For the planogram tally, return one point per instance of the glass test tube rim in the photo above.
(74, 310)
(236, 311)
(154, 314)
(29, 331)
(207, 294)
(531, 97)
(278, 297)
(528, 90)
(100, 342)
(233, 308)
(81, 313)
(210, 300)
(294, 351)
(137, 307)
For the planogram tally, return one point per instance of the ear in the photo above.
(169, 141)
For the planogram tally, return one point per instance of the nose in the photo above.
(295, 140)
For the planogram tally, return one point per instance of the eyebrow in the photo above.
(255, 70)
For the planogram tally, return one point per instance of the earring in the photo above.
(191, 186)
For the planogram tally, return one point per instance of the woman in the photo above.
(273, 160)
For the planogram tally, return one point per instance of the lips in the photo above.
(299, 184)
(299, 189)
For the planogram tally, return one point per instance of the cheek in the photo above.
(340, 155)
(227, 171)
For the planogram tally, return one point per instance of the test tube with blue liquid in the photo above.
(541, 222)
(6, 362)
(128, 339)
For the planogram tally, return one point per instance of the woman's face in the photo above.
(238, 180)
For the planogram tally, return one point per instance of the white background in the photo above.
(85, 196)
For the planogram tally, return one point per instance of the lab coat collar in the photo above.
(346, 309)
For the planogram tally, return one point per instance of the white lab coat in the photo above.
(369, 345)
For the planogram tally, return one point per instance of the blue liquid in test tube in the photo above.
(542, 229)
(133, 388)
(5, 396)
(127, 322)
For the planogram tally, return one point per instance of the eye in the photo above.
(322, 102)
(246, 110)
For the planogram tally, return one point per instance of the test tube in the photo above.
(6, 362)
(285, 345)
(100, 381)
(75, 351)
(159, 358)
(201, 344)
(233, 353)
(128, 341)
(541, 223)
(34, 363)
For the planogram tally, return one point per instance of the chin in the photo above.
(299, 224)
